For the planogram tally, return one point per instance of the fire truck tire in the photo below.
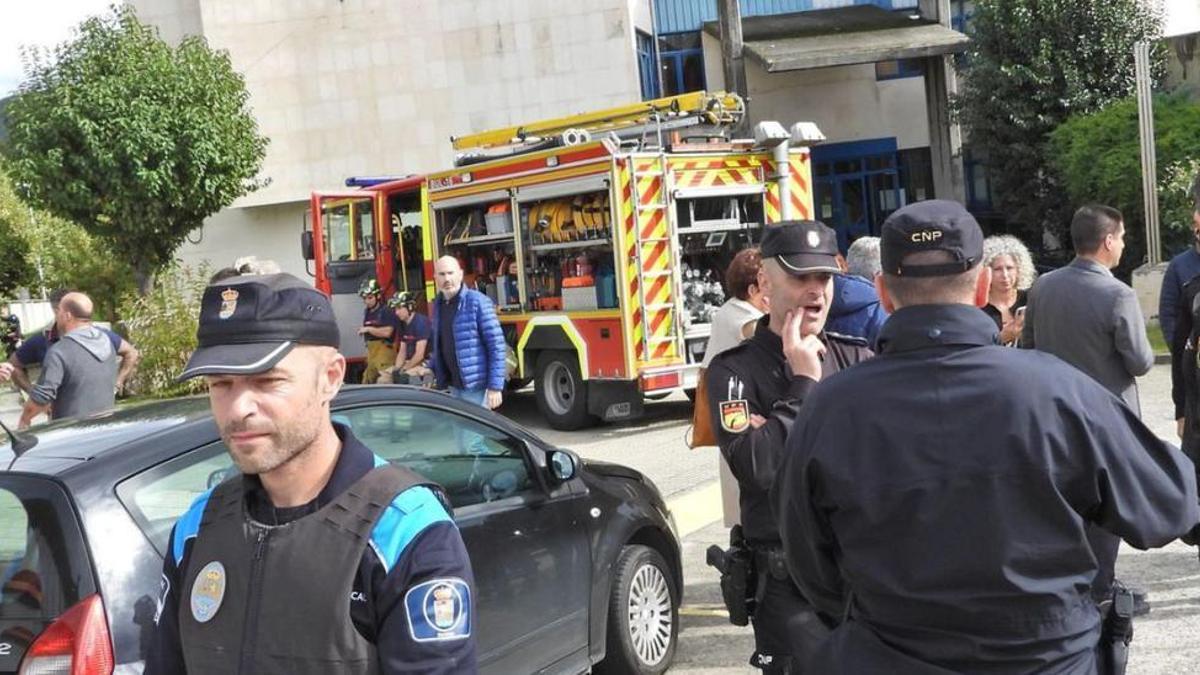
(561, 392)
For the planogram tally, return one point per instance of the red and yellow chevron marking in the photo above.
(646, 231)
(700, 173)
(800, 189)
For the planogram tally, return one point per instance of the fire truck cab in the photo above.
(374, 229)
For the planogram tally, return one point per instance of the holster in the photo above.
(1116, 631)
(738, 576)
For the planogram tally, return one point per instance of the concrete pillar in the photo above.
(945, 135)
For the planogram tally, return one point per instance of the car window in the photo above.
(41, 552)
(158, 497)
(475, 463)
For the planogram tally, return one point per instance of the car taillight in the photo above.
(77, 643)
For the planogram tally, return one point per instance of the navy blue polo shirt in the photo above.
(413, 543)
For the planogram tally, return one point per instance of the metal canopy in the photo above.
(843, 37)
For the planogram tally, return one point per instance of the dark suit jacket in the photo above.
(1088, 318)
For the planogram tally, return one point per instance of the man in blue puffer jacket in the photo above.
(856, 310)
(468, 344)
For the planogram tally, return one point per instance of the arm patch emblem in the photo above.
(735, 416)
(439, 610)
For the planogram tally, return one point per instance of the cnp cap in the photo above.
(801, 246)
(249, 323)
(933, 225)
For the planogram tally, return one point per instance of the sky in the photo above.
(38, 22)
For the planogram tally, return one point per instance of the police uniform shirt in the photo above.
(754, 378)
(946, 486)
(427, 546)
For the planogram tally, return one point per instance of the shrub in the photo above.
(162, 325)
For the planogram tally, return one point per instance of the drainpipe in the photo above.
(772, 135)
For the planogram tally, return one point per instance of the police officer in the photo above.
(319, 556)
(938, 495)
(755, 390)
(379, 327)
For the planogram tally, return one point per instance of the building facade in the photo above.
(366, 87)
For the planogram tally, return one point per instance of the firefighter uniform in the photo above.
(938, 496)
(381, 350)
(754, 378)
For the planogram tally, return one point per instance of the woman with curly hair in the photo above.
(1012, 275)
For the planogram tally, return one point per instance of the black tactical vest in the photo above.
(259, 599)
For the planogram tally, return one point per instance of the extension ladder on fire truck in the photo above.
(660, 297)
(717, 109)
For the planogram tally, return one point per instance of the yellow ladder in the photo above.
(656, 247)
(718, 109)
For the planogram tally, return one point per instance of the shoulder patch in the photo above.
(406, 517)
(188, 524)
(439, 610)
(735, 416)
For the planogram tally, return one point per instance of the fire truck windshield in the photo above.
(348, 229)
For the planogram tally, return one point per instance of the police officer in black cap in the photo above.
(755, 390)
(318, 556)
(937, 497)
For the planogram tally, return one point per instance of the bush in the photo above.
(1098, 157)
(162, 325)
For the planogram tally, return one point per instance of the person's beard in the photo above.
(285, 445)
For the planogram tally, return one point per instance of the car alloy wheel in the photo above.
(650, 614)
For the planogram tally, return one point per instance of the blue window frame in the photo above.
(647, 72)
(856, 186)
(682, 58)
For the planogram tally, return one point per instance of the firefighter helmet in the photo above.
(369, 287)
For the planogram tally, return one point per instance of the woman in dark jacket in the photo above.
(1012, 275)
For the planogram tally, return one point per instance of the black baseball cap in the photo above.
(801, 246)
(932, 225)
(248, 324)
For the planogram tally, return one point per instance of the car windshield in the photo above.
(43, 562)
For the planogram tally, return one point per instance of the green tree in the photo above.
(135, 140)
(1098, 157)
(1031, 65)
(16, 269)
(56, 253)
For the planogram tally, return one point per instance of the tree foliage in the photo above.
(1098, 157)
(135, 140)
(16, 269)
(54, 253)
(1031, 65)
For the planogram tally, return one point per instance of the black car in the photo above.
(576, 563)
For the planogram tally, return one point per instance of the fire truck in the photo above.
(601, 238)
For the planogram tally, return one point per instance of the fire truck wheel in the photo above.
(561, 392)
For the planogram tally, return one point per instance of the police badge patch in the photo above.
(439, 610)
(208, 590)
(735, 416)
(229, 298)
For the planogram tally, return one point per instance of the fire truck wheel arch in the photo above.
(550, 332)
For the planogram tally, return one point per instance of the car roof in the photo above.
(65, 444)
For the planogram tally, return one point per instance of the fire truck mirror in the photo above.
(306, 245)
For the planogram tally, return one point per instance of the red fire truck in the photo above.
(601, 237)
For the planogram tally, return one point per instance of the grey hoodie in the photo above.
(79, 374)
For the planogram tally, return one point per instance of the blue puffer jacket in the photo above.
(478, 343)
(855, 310)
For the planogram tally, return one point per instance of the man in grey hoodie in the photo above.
(79, 374)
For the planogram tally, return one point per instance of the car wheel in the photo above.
(643, 615)
(561, 392)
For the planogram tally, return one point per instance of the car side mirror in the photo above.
(562, 466)
(306, 245)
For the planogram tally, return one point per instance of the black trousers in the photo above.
(787, 630)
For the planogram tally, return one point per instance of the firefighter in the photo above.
(755, 390)
(379, 327)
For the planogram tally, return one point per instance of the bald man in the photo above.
(468, 345)
(79, 373)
